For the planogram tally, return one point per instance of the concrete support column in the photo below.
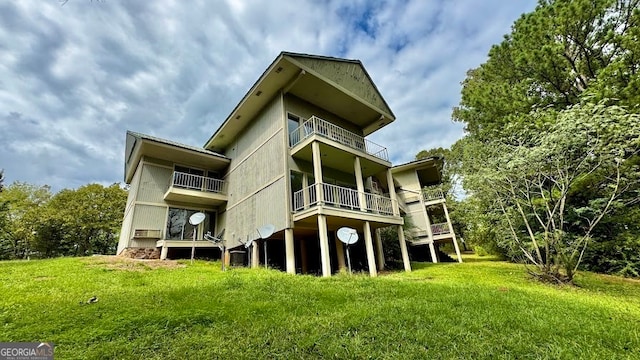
(303, 256)
(379, 251)
(255, 255)
(325, 260)
(340, 253)
(392, 193)
(164, 252)
(359, 183)
(425, 213)
(453, 234)
(371, 260)
(403, 249)
(317, 171)
(290, 251)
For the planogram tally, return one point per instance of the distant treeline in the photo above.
(35, 223)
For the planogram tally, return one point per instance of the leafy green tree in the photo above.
(532, 178)
(22, 203)
(565, 52)
(82, 222)
(554, 55)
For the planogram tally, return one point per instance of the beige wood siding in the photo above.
(154, 183)
(408, 180)
(349, 75)
(125, 230)
(148, 217)
(257, 189)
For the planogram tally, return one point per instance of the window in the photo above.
(293, 124)
(179, 228)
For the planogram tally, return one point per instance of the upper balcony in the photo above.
(433, 195)
(196, 189)
(335, 142)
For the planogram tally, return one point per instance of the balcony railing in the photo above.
(430, 194)
(317, 126)
(440, 229)
(197, 182)
(342, 197)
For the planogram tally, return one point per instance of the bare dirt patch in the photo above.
(128, 264)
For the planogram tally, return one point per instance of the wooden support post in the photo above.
(255, 255)
(425, 213)
(371, 260)
(379, 250)
(325, 260)
(359, 183)
(164, 252)
(290, 251)
(403, 249)
(317, 171)
(453, 234)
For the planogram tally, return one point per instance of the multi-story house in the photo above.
(294, 154)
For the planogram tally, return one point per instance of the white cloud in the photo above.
(74, 78)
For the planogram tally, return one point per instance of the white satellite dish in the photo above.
(197, 218)
(265, 231)
(349, 236)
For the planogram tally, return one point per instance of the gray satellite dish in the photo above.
(349, 236)
(195, 220)
(219, 241)
(265, 231)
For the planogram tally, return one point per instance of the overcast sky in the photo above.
(74, 78)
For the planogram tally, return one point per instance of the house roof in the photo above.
(341, 86)
(176, 144)
(139, 145)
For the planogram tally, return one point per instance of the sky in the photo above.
(75, 76)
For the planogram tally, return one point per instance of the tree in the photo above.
(22, 203)
(554, 55)
(564, 53)
(82, 222)
(532, 178)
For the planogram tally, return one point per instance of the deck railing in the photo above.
(342, 197)
(318, 126)
(430, 194)
(440, 229)
(198, 182)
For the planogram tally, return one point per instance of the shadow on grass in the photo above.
(474, 258)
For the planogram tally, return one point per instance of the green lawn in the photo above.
(479, 309)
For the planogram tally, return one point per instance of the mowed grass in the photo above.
(478, 309)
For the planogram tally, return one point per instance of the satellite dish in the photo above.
(266, 230)
(196, 218)
(248, 244)
(347, 235)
